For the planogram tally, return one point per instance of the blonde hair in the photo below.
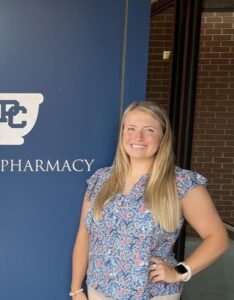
(160, 191)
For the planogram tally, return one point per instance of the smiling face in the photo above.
(141, 136)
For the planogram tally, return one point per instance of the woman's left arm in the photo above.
(201, 214)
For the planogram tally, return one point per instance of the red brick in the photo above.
(210, 67)
(155, 69)
(230, 131)
(227, 43)
(226, 67)
(216, 108)
(209, 79)
(217, 120)
(212, 44)
(226, 91)
(212, 31)
(228, 31)
(204, 49)
(228, 19)
(223, 25)
(227, 186)
(231, 121)
(227, 202)
(221, 49)
(166, 24)
(167, 44)
(209, 55)
(224, 14)
(218, 85)
(218, 74)
(217, 134)
(213, 19)
(221, 170)
(223, 160)
(159, 17)
(169, 31)
(208, 103)
(225, 150)
(206, 38)
(203, 73)
(226, 79)
(156, 56)
(207, 25)
(208, 14)
(216, 144)
(169, 18)
(226, 37)
(201, 85)
(218, 97)
(226, 215)
(220, 61)
(160, 37)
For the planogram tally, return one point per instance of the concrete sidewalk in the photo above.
(214, 283)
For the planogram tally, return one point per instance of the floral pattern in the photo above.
(123, 241)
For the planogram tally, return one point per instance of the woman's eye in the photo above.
(149, 130)
(130, 129)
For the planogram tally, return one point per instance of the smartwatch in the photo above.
(184, 270)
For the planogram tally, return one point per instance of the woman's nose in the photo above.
(139, 135)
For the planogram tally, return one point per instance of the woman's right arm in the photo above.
(80, 255)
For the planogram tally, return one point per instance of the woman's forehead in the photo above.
(140, 116)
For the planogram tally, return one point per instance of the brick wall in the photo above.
(213, 141)
(159, 70)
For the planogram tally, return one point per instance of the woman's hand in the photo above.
(80, 296)
(161, 270)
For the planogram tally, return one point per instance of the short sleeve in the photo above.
(91, 184)
(186, 180)
(96, 181)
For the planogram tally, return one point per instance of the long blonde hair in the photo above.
(160, 191)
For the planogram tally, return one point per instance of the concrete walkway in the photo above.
(214, 283)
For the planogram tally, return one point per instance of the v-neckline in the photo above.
(134, 185)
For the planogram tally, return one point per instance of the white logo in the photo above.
(18, 115)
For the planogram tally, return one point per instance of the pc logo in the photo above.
(18, 115)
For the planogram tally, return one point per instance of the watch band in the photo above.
(185, 276)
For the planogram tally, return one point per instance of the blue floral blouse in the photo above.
(123, 241)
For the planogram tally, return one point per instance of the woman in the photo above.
(133, 212)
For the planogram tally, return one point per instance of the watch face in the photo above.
(181, 269)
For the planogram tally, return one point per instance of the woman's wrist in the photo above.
(75, 292)
(177, 276)
(184, 271)
(76, 286)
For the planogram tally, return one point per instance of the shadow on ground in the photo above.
(214, 283)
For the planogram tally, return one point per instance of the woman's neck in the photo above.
(135, 172)
(139, 168)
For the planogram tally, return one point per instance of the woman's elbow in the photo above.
(223, 241)
(226, 242)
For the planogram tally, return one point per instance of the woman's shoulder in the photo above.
(96, 181)
(187, 179)
(101, 174)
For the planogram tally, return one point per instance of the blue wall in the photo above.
(72, 52)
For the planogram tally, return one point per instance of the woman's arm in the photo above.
(201, 214)
(80, 254)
